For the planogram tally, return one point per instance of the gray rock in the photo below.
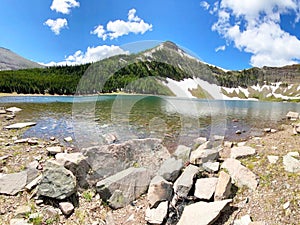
(13, 183)
(182, 152)
(200, 140)
(20, 221)
(211, 167)
(170, 169)
(292, 115)
(202, 154)
(33, 183)
(243, 151)
(110, 138)
(132, 182)
(241, 175)
(205, 188)
(159, 190)
(290, 163)
(223, 188)
(66, 208)
(158, 214)
(77, 164)
(185, 182)
(20, 125)
(272, 158)
(13, 109)
(202, 213)
(54, 150)
(57, 182)
(32, 171)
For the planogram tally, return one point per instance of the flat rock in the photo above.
(158, 214)
(223, 187)
(292, 115)
(272, 158)
(200, 140)
(183, 152)
(202, 213)
(159, 190)
(200, 155)
(205, 188)
(170, 169)
(185, 182)
(22, 211)
(228, 144)
(19, 221)
(57, 182)
(20, 125)
(54, 150)
(290, 163)
(243, 151)
(241, 175)
(13, 109)
(131, 182)
(211, 167)
(68, 139)
(13, 183)
(66, 208)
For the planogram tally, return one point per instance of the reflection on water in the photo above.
(176, 121)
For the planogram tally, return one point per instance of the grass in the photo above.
(200, 93)
(88, 195)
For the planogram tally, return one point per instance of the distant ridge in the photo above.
(12, 61)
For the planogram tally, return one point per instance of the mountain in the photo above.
(11, 61)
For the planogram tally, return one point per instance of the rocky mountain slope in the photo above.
(11, 61)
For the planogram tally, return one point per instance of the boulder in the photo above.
(170, 169)
(202, 213)
(66, 208)
(205, 188)
(201, 155)
(292, 115)
(243, 151)
(241, 175)
(159, 190)
(182, 152)
(158, 214)
(223, 188)
(211, 167)
(131, 183)
(54, 150)
(11, 184)
(184, 183)
(57, 182)
(200, 140)
(291, 163)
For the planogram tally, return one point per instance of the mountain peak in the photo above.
(170, 45)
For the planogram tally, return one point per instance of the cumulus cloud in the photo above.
(92, 54)
(56, 25)
(220, 48)
(118, 28)
(64, 6)
(254, 26)
(204, 5)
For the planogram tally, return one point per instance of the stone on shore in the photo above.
(57, 182)
(66, 208)
(205, 188)
(291, 163)
(211, 167)
(170, 169)
(244, 220)
(183, 152)
(223, 188)
(292, 115)
(243, 151)
(13, 183)
(131, 182)
(241, 175)
(200, 140)
(159, 190)
(20, 125)
(202, 213)
(19, 221)
(158, 214)
(68, 139)
(13, 109)
(200, 155)
(185, 182)
(54, 150)
(272, 158)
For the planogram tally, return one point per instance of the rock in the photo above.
(243, 151)
(33, 183)
(257, 223)
(286, 205)
(218, 138)
(77, 164)
(203, 155)
(110, 138)
(205, 188)
(57, 182)
(292, 115)
(159, 190)
(240, 144)
(33, 141)
(10, 117)
(290, 163)
(228, 144)
(185, 182)
(5, 157)
(132, 182)
(68, 139)
(13, 183)
(182, 152)
(273, 131)
(223, 187)
(20, 125)
(2, 110)
(13, 109)
(272, 158)
(211, 167)
(200, 140)
(52, 138)
(267, 130)
(32, 171)
(241, 175)
(170, 169)
(238, 132)
(158, 214)
(23, 211)
(202, 213)
(66, 208)
(244, 220)
(54, 150)
(21, 141)
(19, 222)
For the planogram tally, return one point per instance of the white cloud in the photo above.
(118, 28)
(64, 6)
(220, 48)
(92, 54)
(204, 5)
(56, 25)
(254, 26)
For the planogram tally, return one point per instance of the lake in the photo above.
(175, 120)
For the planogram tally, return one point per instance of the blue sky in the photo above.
(232, 34)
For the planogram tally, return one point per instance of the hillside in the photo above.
(11, 61)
